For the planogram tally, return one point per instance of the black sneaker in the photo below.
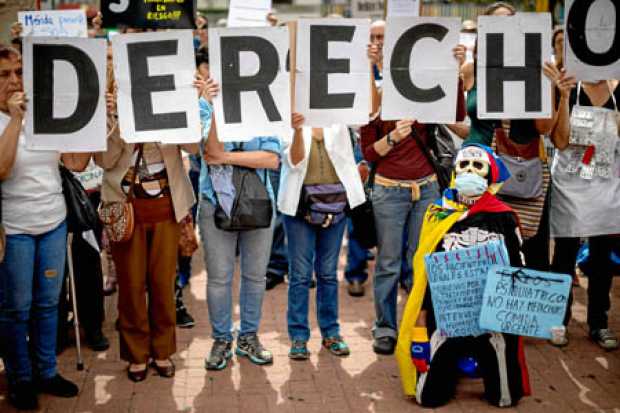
(221, 352)
(384, 345)
(605, 338)
(58, 386)
(249, 346)
(184, 319)
(272, 280)
(97, 341)
(23, 396)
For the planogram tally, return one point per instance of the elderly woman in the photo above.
(31, 275)
(162, 197)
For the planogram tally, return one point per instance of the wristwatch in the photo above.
(390, 141)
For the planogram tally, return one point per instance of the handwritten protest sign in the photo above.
(367, 8)
(248, 13)
(403, 8)
(457, 280)
(523, 301)
(149, 14)
(60, 23)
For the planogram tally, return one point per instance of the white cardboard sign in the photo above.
(420, 75)
(64, 81)
(511, 53)
(403, 8)
(156, 99)
(250, 66)
(248, 13)
(333, 73)
(592, 39)
(61, 23)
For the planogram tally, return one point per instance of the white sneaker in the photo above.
(559, 337)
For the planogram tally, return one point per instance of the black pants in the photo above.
(498, 360)
(536, 249)
(88, 282)
(600, 274)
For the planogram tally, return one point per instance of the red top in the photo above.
(406, 160)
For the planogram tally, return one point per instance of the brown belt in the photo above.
(413, 185)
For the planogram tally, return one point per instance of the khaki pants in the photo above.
(146, 268)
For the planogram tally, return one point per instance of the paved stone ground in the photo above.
(579, 378)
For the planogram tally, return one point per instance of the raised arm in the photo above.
(10, 135)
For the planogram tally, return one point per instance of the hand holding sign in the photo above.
(403, 129)
(562, 81)
(17, 105)
(297, 120)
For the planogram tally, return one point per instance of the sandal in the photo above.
(336, 346)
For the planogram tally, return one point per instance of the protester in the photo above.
(184, 271)
(201, 33)
(220, 246)
(319, 179)
(161, 196)
(468, 214)
(584, 204)
(34, 216)
(405, 184)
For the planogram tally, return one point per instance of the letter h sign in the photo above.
(510, 57)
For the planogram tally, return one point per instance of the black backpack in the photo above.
(252, 207)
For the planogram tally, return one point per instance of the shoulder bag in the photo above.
(118, 216)
(363, 216)
(441, 165)
(525, 166)
(252, 207)
(81, 215)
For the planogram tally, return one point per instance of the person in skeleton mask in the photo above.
(466, 215)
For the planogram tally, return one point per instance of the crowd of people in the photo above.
(294, 226)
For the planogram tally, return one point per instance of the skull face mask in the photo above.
(474, 160)
(472, 172)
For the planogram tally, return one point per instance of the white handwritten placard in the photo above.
(57, 23)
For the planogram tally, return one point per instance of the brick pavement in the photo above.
(579, 378)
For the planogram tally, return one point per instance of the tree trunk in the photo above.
(8, 15)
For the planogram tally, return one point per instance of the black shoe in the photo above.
(23, 396)
(58, 386)
(356, 289)
(97, 341)
(220, 353)
(184, 319)
(272, 280)
(384, 345)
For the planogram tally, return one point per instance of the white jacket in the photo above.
(338, 146)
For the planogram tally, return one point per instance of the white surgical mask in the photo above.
(469, 184)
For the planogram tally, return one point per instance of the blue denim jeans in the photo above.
(31, 277)
(313, 247)
(357, 258)
(220, 257)
(278, 261)
(395, 211)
